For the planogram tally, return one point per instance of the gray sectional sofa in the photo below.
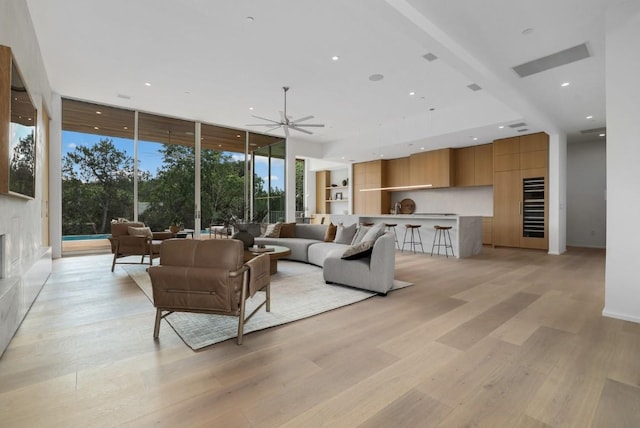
(374, 273)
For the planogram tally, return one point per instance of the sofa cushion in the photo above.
(311, 231)
(298, 246)
(140, 231)
(344, 234)
(319, 251)
(273, 230)
(374, 233)
(358, 251)
(360, 232)
(288, 230)
(330, 234)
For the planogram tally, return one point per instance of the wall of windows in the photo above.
(175, 170)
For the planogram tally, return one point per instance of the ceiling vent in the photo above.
(518, 125)
(474, 87)
(430, 57)
(557, 59)
(523, 130)
(594, 130)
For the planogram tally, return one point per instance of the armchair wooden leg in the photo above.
(113, 264)
(243, 299)
(268, 295)
(156, 328)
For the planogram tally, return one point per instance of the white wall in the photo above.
(26, 264)
(622, 286)
(456, 200)
(21, 218)
(586, 194)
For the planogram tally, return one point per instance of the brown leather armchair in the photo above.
(208, 276)
(139, 243)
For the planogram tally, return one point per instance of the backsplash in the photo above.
(473, 201)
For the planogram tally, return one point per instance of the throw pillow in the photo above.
(359, 251)
(288, 230)
(273, 230)
(140, 231)
(374, 233)
(360, 232)
(330, 234)
(344, 234)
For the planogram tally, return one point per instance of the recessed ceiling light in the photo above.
(474, 138)
(238, 135)
(95, 127)
(126, 127)
(565, 84)
(98, 112)
(603, 134)
(219, 145)
(335, 58)
(501, 127)
(421, 148)
(250, 108)
(589, 117)
(376, 77)
(412, 93)
(147, 84)
(381, 156)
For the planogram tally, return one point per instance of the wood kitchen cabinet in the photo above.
(473, 166)
(520, 192)
(434, 167)
(397, 172)
(370, 175)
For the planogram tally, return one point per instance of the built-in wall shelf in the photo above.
(337, 200)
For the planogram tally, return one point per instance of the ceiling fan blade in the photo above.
(301, 119)
(295, 128)
(264, 124)
(268, 120)
(315, 125)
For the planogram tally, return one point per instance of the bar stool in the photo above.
(413, 243)
(442, 232)
(389, 227)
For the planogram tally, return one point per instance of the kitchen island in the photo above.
(466, 231)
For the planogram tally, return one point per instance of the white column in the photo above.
(55, 176)
(557, 228)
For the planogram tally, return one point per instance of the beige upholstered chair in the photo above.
(129, 239)
(208, 276)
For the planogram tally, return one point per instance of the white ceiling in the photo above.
(206, 61)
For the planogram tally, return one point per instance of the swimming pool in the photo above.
(85, 237)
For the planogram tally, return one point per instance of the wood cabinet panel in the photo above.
(506, 208)
(323, 180)
(531, 160)
(487, 230)
(534, 142)
(434, 167)
(397, 172)
(505, 146)
(418, 169)
(507, 162)
(369, 175)
(484, 165)
(465, 166)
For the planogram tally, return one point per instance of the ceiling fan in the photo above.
(285, 121)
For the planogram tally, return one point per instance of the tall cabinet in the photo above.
(370, 175)
(520, 191)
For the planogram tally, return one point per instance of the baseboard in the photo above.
(619, 316)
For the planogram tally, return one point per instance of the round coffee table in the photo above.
(278, 252)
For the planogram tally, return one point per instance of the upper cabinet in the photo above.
(397, 172)
(473, 166)
(434, 167)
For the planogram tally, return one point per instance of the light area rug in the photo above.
(298, 291)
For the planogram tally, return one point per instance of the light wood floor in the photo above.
(512, 338)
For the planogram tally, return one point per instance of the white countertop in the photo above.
(417, 216)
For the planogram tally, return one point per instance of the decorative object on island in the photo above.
(345, 182)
